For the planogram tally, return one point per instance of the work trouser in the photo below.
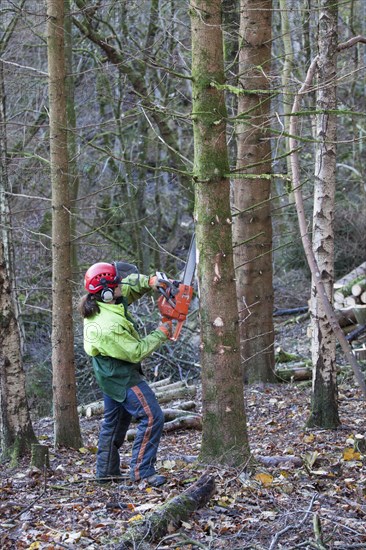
(141, 403)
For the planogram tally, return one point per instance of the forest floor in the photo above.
(319, 502)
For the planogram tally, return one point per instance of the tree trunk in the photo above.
(16, 431)
(224, 438)
(252, 223)
(324, 408)
(71, 137)
(67, 429)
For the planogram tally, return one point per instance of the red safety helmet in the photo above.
(100, 276)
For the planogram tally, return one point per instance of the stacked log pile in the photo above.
(350, 291)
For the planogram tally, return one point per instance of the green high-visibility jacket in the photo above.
(112, 340)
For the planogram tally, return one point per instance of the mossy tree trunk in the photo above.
(324, 409)
(67, 428)
(224, 438)
(252, 222)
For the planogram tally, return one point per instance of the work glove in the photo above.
(166, 328)
(158, 280)
(153, 282)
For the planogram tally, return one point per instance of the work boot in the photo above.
(156, 480)
(152, 481)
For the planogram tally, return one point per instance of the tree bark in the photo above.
(67, 428)
(224, 419)
(252, 229)
(40, 456)
(300, 209)
(16, 430)
(170, 515)
(324, 407)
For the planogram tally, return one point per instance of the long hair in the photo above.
(88, 305)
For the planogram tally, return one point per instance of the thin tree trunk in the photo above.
(224, 438)
(71, 137)
(303, 225)
(286, 74)
(67, 429)
(252, 224)
(324, 410)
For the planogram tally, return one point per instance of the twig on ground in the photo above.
(275, 539)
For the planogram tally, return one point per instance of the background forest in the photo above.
(131, 150)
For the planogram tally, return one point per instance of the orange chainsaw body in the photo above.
(175, 307)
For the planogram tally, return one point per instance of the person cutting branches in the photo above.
(116, 348)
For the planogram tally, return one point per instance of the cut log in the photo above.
(280, 460)
(172, 414)
(363, 298)
(354, 334)
(350, 301)
(359, 271)
(83, 408)
(179, 393)
(168, 387)
(358, 288)
(159, 383)
(295, 374)
(282, 356)
(181, 423)
(94, 409)
(169, 516)
(339, 297)
(291, 311)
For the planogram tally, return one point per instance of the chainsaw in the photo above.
(176, 296)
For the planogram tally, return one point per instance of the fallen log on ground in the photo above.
(177, 393)
(191, 422)
(354, 274)
(280, 460)
(282, 356)
(356, 333)
(159, 383)
(290, 311)
(173, 414)
(169, 516)
(295, 373)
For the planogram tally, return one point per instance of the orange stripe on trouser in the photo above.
(140, 396)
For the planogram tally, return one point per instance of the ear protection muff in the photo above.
(107, 294)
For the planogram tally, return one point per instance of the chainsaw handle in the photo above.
(169, 322)
(176, 334)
